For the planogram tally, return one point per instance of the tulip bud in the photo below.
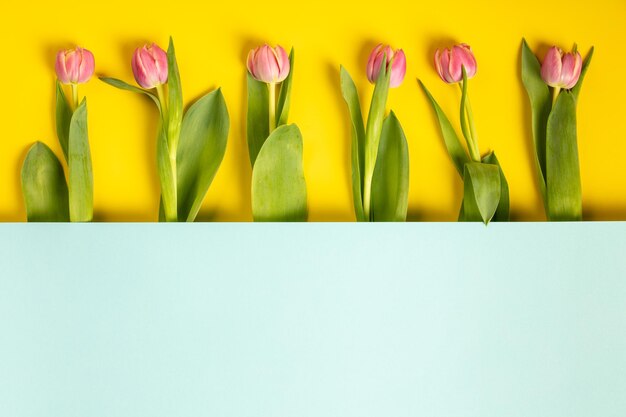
(74, 66)
(449, 63)
(268, 65)
(149, 65)
(561, 70)
(396, 63)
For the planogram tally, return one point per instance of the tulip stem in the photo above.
(272, 112)
(74, 95)
(555, 94)
(474, 150)
(161, 96)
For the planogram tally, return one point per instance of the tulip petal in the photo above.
(60, 68)
(398, 69)
(551, 67)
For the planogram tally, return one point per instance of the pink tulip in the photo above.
(149, 65)
(74, 66)
(396, 61)
(561, 70)
(449, 63)
(268, 65)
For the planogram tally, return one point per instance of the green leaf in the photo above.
(481, 191)
(351, 96)
(576, 90)
(502, 212)
(278, 185)
(540, 105)
(166, 177)
(63, 118)
(284, 97)
(79, 167)
(453, 144)
(127, 87)
(563, 172)
(376, 117)
(43, 186)
(464, 126)
(390, 184)
(174, 96)
(258, 125)
(200, 151)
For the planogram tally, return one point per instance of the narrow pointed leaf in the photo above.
(481, 191)
(563, 187)
(166, 177)
(125, 86)
(278, 185)
(540, 105)
(79, 167)
(44, 187)
(351, 96)
(175, 97)
(390, 184)
(375, 117)
(63, 119)
(200, 151)
(453, 144)
(257, 125)
(576, 90)
(284, 97)
(503, 210)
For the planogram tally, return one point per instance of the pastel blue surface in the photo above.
(319, 320)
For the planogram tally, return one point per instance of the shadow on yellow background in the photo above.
(212, 40)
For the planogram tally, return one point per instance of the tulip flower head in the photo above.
(149, 65)
(561, 70)
(396, 63)
(449, 63)
(268, 65)
(74, 66)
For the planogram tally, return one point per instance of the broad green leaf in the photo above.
(576, 90)
(174, 97)
(43, 186)
(278, 185)
(390, 184)
(563, 172)
(79, 167)
(63, 119)
(481, 191)
(166, 177)
(540, 105)
(258, 117)
(200, 151)
(284, 97)
(450, 138)
(351, 96)
(125, 86)
(502, 213)
(376, 118)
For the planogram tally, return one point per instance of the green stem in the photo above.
(272, 112)
(474, 150)
(172, 148)
(162, 100)
(555, 94)
(74, 95)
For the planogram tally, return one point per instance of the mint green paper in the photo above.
(43, 186)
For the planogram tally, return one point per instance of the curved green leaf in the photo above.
(79, 167)
(258, 125)
(540, 105)
(390, 184)
(284, 97)
(166, 178)
(502, 213)
(576, 90)
(450, 138)
(63, 118)
(278, 185)
(200, 151)
(43, 186)
(174, 97)
(376, 117)
(563, 172)
(351, 96)
(481, 192)
(125, 86)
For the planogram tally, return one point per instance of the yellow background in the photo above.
(212, 40)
